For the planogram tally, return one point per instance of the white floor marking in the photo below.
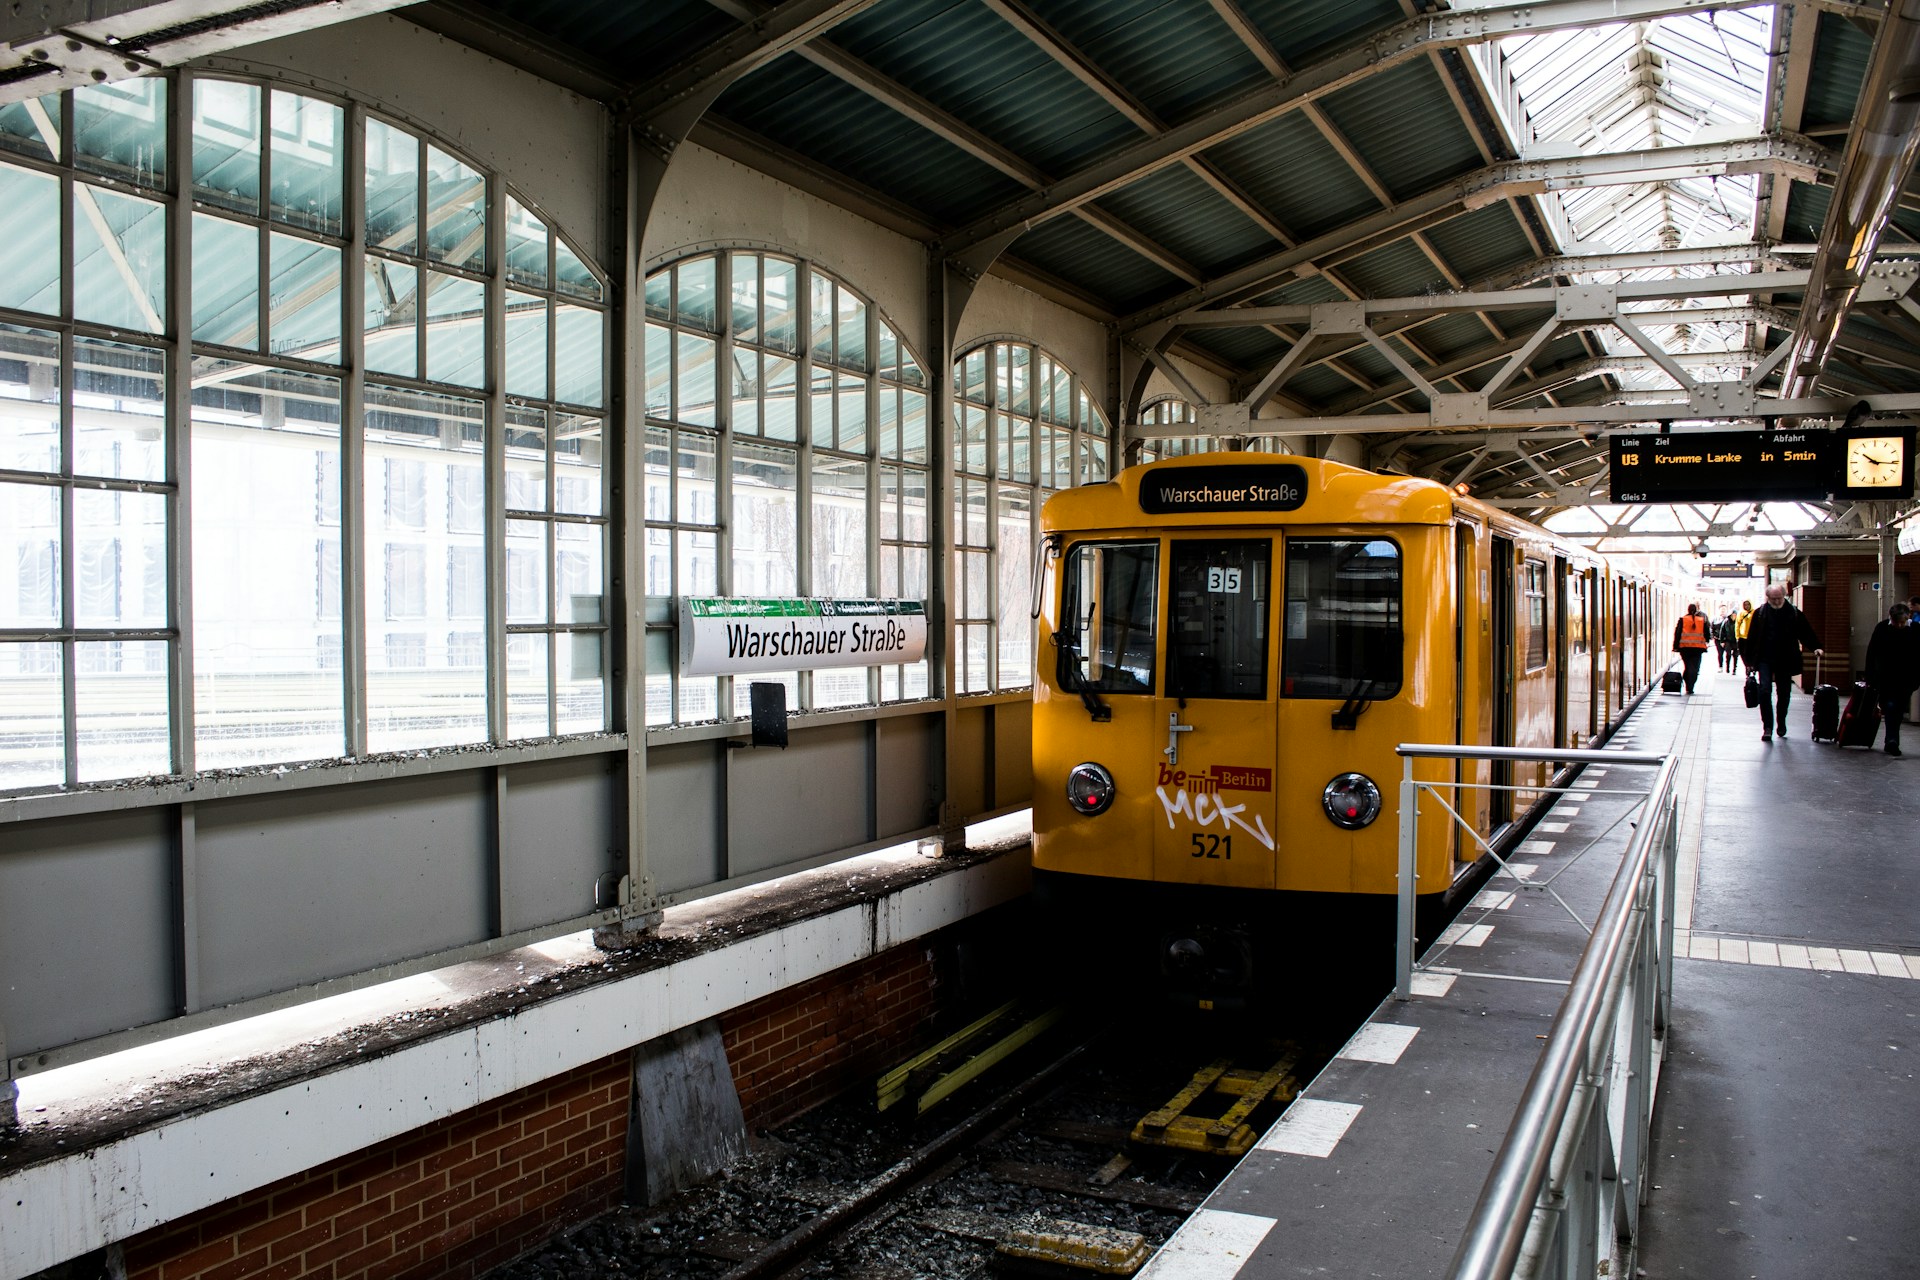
(1555, 827)
(1211, 1245)
(1492, 900)
(1765, 953)
(1825, 959)
(1888, 965)
(1793, 955)
(1311, 1128)
(1704, 949)
(1438, 985)
(1536, 846)
(1856, 961)
(1461, 935)
(1913, 966)
(1520, 870)
(1378, 1042)
(1585, 784)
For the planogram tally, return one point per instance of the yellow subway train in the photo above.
(1230, 647)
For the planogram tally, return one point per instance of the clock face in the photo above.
(1876, 462)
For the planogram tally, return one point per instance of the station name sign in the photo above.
(1275, 486)
(721, 637)
(1762, 466)
(1739, 569)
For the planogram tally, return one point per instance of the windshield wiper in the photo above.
(1348, 716)
(1066, 669)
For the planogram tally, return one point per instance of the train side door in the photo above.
(1215, 821)
(1502, 690)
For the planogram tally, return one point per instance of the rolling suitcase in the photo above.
(1860, 722)
(1671, 682)
(1826, 708)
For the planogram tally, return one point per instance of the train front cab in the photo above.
(1218, 696)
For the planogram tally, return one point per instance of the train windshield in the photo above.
(1217, 630)
(1343, 628)
(1106, 636)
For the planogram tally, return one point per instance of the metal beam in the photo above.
(1482, 187)
(778, 30)
(1762, 257)
(1414, 38)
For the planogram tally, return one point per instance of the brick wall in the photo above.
(452, 1200)
(449, 1200)
(1828, 606)
(802, 1046)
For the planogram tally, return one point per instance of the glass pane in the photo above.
(1343, 636)
(744, 269)
(781, 288)
(456, 330)
(695, 465)
(839, 535)
(1019, 388)
(29, 399)
(120, 545)
(852, 413)
(660, 295)
(527, 556)
(973, 438)
(30, 556)
(119, 410)
(659, 346)
(1108, 618)
(526, 345)
(973, 381)
(743, 391)
(393, 187)
(889, 352)
(887, 429)
(392, 333)
(266, 597)
(526, 459)
(695, 302)
(309, 157)
(120, 259)
(765, 521)
(852, 326)
(571, 278)
(1217, 623)
(120, 697)
(226, 282)
(1020, 465)
(913, 426)
(579, 343)
(226, 144)
(30, 251)
(30, 707)
(581, 688)
(303, 301)
(423, 687)
(910, 371)
(913, 509)
(821, 325)
(1013, 620)
(120, 130)
(456, 213)
(32, 127)
(528, 682)
(577, 483)
(698, 563)
(779, 387)
(579, 573)
(526, 246)
(694, 381)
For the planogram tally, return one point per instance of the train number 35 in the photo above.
(1212, 846)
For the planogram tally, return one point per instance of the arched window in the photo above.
(367, 494)
(1024, 427)
(1170, 411)
(781, 396)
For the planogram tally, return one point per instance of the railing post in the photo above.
(1409, 822)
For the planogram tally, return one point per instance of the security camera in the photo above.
(1700, 551)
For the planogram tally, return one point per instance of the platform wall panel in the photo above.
(811, 799)
(562, 827)
(685, 847)
(903, 774)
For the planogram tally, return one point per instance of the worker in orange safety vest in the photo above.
(1690, 639)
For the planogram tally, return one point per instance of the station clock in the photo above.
(1876, 462)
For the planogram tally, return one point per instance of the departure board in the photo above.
(1762, 466)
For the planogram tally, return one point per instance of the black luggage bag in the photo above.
(1860, 722)
(1826, 709)
(1671, 682)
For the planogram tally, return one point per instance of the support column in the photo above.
(949, 287)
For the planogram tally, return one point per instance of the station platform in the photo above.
(1787, 1098)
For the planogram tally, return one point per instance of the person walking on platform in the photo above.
(1724, 645)
(1776, 634)
(1893, 668)
(1690, 642)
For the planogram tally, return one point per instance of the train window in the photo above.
(1343, 630)
(1217, 619)
(1536, 592)
(1106, 637)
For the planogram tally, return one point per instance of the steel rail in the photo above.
(1490, 1246)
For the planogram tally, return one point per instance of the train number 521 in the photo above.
(1212, 846)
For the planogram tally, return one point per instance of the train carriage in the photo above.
(1230, 648)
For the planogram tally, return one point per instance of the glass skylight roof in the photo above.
(1678, 81)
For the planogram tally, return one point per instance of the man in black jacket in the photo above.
(1775, 639)
(1893, 669)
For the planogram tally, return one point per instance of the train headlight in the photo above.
(1089, 789)
(1351, 801)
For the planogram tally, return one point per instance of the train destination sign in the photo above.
(1277, 486)
(723, 637)
(1762, 466)
(1738, 569)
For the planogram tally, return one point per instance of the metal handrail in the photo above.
(1491, 1245)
